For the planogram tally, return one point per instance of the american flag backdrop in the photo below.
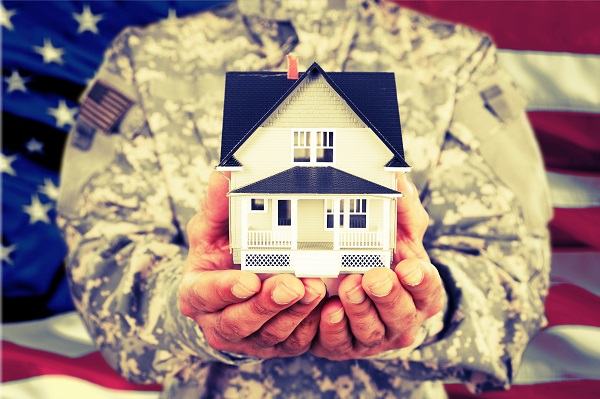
(51, 49)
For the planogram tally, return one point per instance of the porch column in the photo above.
(387, 204)
(294, 223)
(336, 223)
(244, 224)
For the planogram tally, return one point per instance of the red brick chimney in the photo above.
(292, 72)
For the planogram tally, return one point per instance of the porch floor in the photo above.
(315, 246)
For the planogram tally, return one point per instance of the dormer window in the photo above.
(313, 146)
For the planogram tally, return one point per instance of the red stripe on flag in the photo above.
(19, 362)
(568, 140)
(575, 228)
(563, 26)
(569, 304)
(581, 389)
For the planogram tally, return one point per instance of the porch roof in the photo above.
(316, 180)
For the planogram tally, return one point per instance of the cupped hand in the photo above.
(385, 308)
(237, 312)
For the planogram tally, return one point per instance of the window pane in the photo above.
(324, 155)
(358, 221)
(330, 221)
(301, 155)
(257, 204)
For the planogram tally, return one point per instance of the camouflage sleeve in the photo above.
(489, 206)
(126, 250)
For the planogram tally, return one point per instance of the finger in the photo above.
(245, 318)
(412, 221)
(394, 304)
(410, 194)
(303, 336)
(212, 220)
(208, 292)
(365, 323)
(282, 325)
(334, 338)
(422, 280)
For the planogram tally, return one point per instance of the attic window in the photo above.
(313, 146)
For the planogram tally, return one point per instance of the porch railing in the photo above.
(361, 239)
(283, 239)
(269, 239)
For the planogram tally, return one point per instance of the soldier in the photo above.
(165, 304)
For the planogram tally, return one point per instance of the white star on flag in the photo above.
(63, 114)
(34, 146)
(5, 254)
(50, 53)
(37, 211)
(6, 164)
(16, 82)
(5, 16)
(49, 189)
(87, 20)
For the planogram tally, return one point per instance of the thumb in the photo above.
(422, 280)
(212, 219)
(215, 205)
(412, 221)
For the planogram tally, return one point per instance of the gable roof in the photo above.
(251, 97)
(315, 180)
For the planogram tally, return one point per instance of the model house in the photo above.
(313, 161)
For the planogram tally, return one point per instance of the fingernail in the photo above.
(412, 274)
(336, 317)
(356, 295)
(381, 288)
(282, 295)
(241, 291)
(309, 295)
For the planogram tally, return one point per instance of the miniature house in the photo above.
(313, 164)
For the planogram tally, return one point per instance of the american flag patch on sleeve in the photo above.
(103, 107)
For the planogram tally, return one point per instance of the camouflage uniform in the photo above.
(125, 202)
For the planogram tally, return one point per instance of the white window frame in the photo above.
(265, 205)
(346, 212)
(309, 141)
(327, 213)
(357, 207)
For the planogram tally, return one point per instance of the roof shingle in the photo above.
(315, 180)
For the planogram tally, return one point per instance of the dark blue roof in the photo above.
(232, 161)
(314, 180)
(251, 97)
(397, 163)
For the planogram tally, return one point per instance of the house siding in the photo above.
(357, 151)
(311, 222)
(261, 220)
(314, 104)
